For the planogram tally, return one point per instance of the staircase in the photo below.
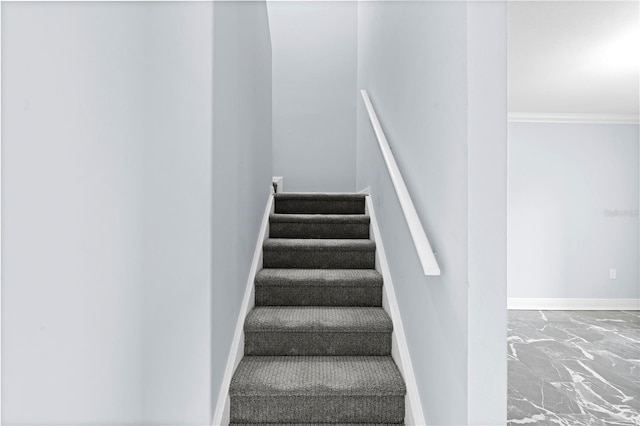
(318, 342)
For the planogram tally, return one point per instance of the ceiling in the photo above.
(574, 57)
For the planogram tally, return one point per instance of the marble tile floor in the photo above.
(573, 368)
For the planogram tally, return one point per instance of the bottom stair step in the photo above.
(323, 389)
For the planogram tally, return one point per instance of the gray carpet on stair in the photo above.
(288, 389)
(319, 253)
(316, 203)
(318, 287)
(313, 277)
(326, 198)
(319, 226)
(322, 375)
(332, 219)
(320, 245)
(328, 409)
(318, 318)
(317, 344)
(318, 424)
(312, 331)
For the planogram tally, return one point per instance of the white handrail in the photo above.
(425, 253)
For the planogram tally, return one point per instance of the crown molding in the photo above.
(534, 117)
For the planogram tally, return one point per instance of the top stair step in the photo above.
(319, 203)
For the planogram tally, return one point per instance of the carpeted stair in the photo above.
(318, 343)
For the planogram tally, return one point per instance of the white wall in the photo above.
(314, 94)
(176, 208)
(241, 160)
(412, 61)
(562, 180)
(72, 210)
(487, 177)
(119, 171)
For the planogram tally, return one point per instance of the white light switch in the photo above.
(612, 274)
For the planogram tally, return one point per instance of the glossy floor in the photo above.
(574, 368)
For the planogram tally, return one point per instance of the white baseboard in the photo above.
(221, 413)
(525, 117)
(574, 304)
(399, 350)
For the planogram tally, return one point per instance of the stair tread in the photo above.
(313, 244)
(317, 376)
(320, 203)
(311, 319)
(314, 277)
(319, 218)
(320, 196)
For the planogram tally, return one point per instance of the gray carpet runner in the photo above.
(318, 343)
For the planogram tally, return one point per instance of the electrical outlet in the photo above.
(612, 274)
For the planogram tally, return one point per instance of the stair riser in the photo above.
(318, 230)
(317, 344)
(310, 259)
(318, 296)
(317, 409)
(319, 207)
